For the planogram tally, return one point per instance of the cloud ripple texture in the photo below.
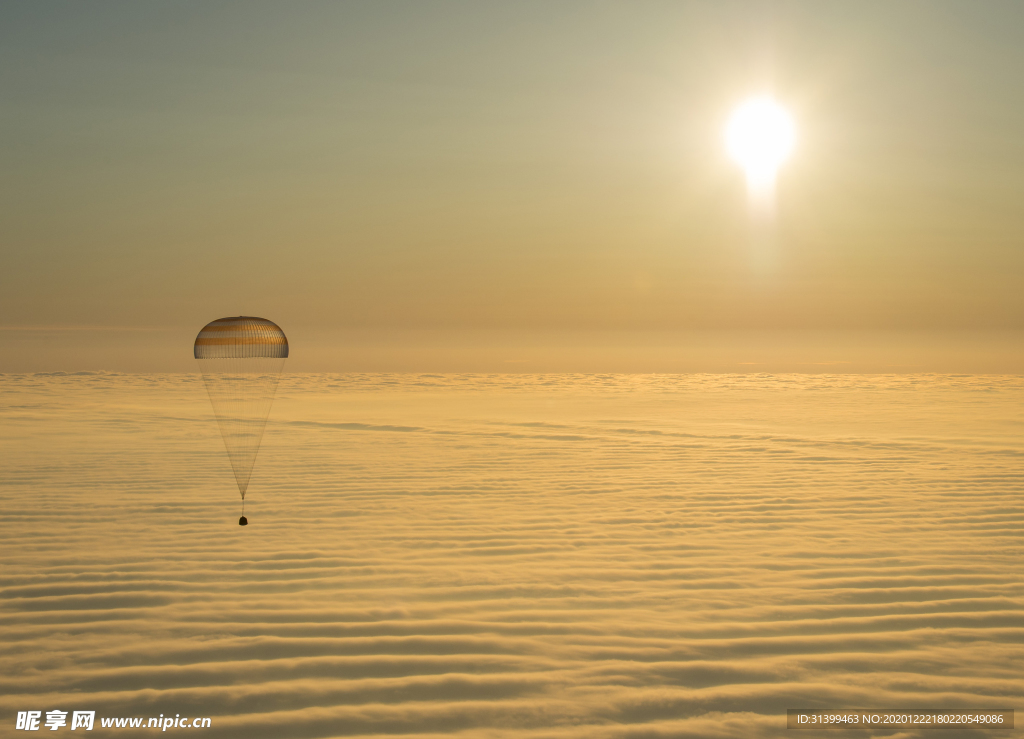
(517, 556)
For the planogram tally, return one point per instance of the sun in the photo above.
(760, 136)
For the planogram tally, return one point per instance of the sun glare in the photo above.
(759, 137)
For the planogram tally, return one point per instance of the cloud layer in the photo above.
(513, 556)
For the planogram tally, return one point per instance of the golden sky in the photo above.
(470, 166)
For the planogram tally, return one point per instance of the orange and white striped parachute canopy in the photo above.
(241, 337)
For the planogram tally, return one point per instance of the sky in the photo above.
(530, 185)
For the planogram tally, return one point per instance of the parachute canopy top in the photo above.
(241, 337)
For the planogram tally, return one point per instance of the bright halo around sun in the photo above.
(759, 137)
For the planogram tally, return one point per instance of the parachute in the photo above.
(241, 360)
